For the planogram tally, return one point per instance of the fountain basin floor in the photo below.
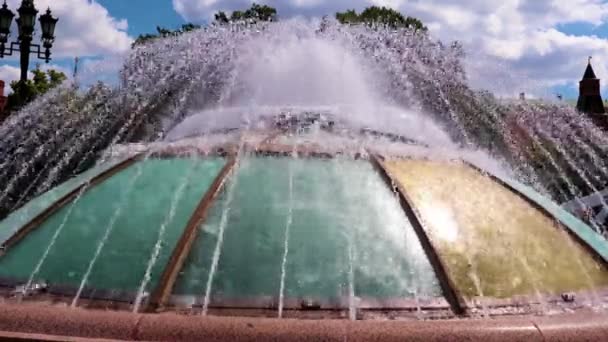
(265, 224)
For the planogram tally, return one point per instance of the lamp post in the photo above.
(26, 24)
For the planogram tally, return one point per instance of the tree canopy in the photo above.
(380, 15)
(41, 83)
(256, 13)
(162, 32)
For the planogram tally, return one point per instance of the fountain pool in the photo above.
(265, 177)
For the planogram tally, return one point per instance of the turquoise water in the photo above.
(35, 207)
(343, 218)
(140, 198)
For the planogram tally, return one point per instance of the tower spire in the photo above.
(590, 98)
(589, 73)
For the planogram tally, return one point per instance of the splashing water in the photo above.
(222, 227)
(219, 77)
(288, 223)
(177, 196)
(108, 230)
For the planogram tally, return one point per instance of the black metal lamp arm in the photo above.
(34, 48)
(8, 51)
(46, 55)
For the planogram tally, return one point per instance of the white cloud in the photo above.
(515, 45)
(518, 42)
(8, 74)
(85, 28)
(203, 10)
(458, 18)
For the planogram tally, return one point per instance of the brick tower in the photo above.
(590, 99)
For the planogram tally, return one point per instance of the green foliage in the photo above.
(41, 83)
(255, 13)
(162, 32)
(380, 15)
(348, 17)
(21, 95)
(144, 38)
(189, 27)
(55, 77)
(221, 18)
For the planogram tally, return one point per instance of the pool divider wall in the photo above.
(448, 287)
(63, 201)
(163, 290)
(600, 256)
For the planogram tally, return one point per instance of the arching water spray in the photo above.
(286, 240)
(108, 230)
(161, 234)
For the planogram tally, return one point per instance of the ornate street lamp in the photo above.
(48, 23)
(6, 18)
(26, 24)
(27, 19)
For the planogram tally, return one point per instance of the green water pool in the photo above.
(133, 204)
(347, 233)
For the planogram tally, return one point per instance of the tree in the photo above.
(162, 32)
(221, 18)
(380, 15)
(255, 13)
(41, 83)
(143, 38)
(348, 17)
(261, 12)
(189, 27)
(56, 77)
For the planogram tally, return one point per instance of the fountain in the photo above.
(288, 171)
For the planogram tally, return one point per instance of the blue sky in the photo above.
(582, 29)
(535, 46)
(162, 12)
(158, 12)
